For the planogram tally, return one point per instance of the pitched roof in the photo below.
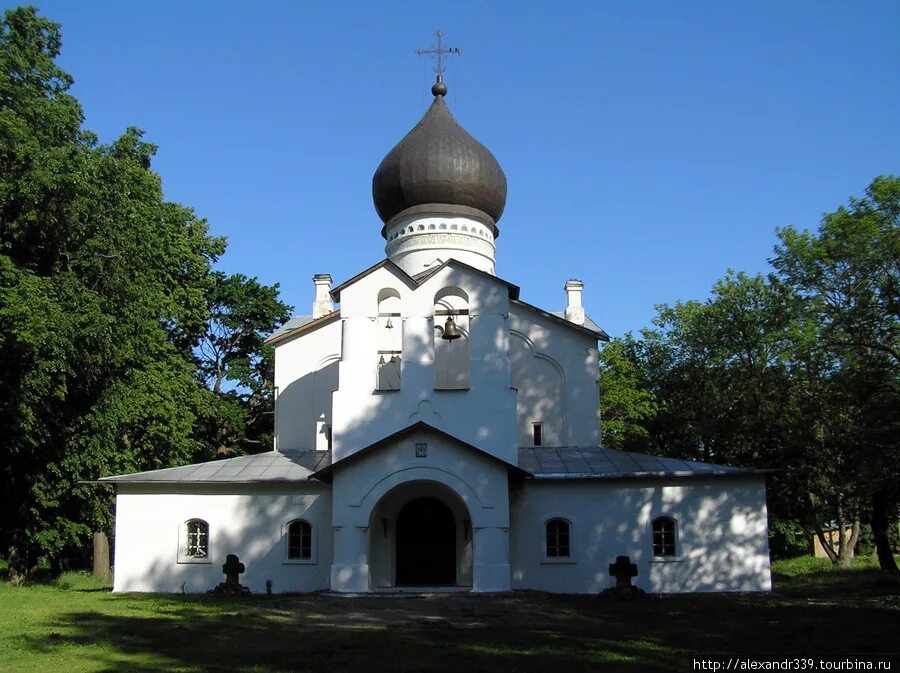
(595, 462)
(299, 324)
(590, 327)
(292, 324)
(272, 466)
(544, 463)
(417, 280)
(588, 324)
(385, 263)
(326, 473)
(421, 278)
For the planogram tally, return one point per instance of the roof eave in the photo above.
(585, 476)
(303, 329)
(385, 263)
(601, 335)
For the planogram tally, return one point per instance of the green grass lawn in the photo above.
(76, 625)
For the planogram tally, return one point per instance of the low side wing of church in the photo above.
(436, 431)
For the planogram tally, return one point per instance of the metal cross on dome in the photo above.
(438, 52)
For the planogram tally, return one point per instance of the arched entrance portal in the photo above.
(420, 535)
(426, 544)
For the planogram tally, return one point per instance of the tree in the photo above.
(625, 402)
(236, 364)
(847, 275)
(735, 380)
(106, 290)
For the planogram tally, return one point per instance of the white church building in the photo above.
(437, 431)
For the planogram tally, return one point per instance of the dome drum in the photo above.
(419, 240)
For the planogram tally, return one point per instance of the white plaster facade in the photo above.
(525, 366)
(250, 520)
(417, 460)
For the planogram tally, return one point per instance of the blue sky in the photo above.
(649, 147)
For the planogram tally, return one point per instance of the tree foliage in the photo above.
(796, 371)
(106, 293)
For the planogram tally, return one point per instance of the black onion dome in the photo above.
(438, 162)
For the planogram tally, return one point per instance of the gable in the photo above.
(327, 473)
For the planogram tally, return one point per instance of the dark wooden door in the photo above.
(426, 544)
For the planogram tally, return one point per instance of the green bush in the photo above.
(788, 539)
(801, 565)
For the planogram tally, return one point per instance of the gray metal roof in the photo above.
(595, 462)
(272, 466)
(588, 323)
(544, 462)
(290, 325)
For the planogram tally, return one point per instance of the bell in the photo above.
(381, 359)
(389, 324)
(451, 331)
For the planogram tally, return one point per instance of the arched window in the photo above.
(299, 541)
(558, 539)
(665, 532)
(197, 539)
(390, 340)
(451, 356)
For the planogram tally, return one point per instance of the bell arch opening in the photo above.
(420, 536)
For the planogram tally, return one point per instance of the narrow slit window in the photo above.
(328, 437)
(389, 340)
(537, 430)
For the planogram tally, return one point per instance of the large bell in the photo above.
(451, 331)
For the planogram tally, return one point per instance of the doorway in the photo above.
(425, 544)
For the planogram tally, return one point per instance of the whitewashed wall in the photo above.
(306, 374)
(476, 483)
(722, 542)
(483, 415)
(555, 371)
(250, 521)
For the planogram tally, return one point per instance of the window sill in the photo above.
(667, 559)
(558, 561)
(195, 561)
(299, 562)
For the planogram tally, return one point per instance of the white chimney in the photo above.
(574, 309)
(322, 304)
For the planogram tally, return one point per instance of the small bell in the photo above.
(451, 331)
(381, 359)
(389, 324)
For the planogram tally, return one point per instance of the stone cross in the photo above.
(623, 570)
(232, 568)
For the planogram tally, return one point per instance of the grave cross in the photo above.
(623, 570)
(232, 568)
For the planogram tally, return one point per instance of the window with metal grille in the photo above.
(197, 539)
(664, 533)
(558, 538)
(300, 541)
